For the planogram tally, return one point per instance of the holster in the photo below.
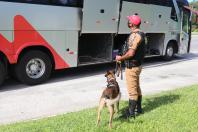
(132, 63)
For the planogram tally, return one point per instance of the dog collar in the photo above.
(111, 85)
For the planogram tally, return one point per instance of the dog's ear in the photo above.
(112, 72)
(107, 73)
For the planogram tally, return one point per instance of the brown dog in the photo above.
(110, 97)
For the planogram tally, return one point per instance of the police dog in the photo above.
(110, 97)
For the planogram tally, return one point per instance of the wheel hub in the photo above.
(35, 68)
(170, 51)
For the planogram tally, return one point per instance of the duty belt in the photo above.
(132, 63)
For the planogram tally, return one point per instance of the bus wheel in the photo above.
(170, 51)
(34, 67)
(2, 72)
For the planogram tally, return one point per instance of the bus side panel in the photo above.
(72, 38)
(161, 19)
(58, 29)
(155, 19)
(168, 37)
(7, 49)
(65, 43)
(42, 17)
(100, 16)
(130, 8)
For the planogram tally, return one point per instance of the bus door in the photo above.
(185, 31)
(100, 16)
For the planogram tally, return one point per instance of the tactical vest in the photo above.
(138, 58)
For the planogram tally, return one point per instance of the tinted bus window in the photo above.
(9, 0)
(137, 1)
(37, 1)
(12, 0)
(182, 3)
(168, 3)
(186, 22)
(72, 3)
(30, 1)
(174, 14)
(61, 2)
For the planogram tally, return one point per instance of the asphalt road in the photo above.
(79, 88)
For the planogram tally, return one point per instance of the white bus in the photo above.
(38, 36)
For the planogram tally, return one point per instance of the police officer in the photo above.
(133, 58)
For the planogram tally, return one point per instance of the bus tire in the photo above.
(34, 67)
(2, 72)
(170, 51)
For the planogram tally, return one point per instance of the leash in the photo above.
(118, 69)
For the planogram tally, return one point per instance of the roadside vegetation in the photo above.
(173, 111)
(194, 23)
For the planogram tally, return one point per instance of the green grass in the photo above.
(174, 111)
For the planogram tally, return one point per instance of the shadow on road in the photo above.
(87, 71)
(61, 75)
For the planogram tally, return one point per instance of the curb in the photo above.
(194, 33)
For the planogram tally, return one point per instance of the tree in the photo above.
(194, 18)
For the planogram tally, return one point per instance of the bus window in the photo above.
(80, 3)
(46, 2)
(61, 2)
(168, 3)
(76, 3)
(173, 14)
(182, 3)
(12, 0)
(185, 23)
(72, 3)
(137, 1)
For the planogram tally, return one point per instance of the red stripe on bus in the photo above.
(25, 36)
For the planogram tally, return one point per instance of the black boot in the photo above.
(132, 106)
(130, 112)
(139, 105)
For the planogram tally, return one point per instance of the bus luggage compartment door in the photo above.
(100, 16)
(131, 8)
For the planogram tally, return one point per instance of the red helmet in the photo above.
(134, 19)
